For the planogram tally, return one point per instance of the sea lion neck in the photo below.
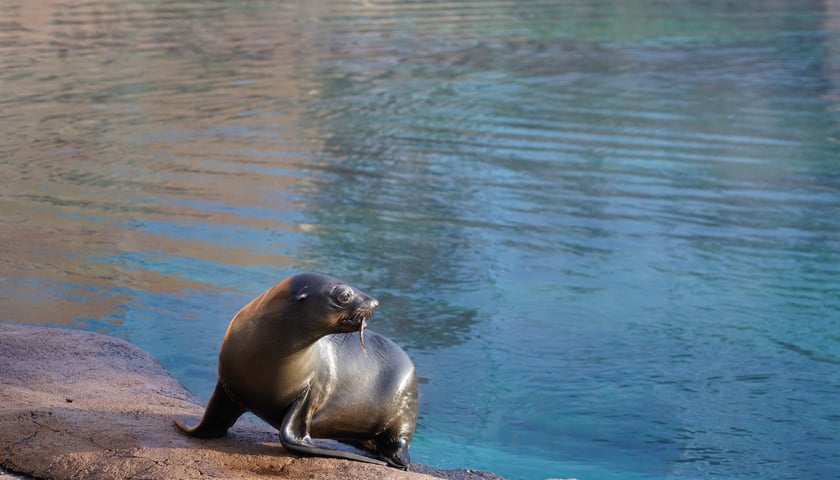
(290, 334)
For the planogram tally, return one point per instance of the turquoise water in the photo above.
(608, 233)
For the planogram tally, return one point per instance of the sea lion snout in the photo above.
(357, 318)
(367, 305)
(361, 311)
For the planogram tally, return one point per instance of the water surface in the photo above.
(607, 232)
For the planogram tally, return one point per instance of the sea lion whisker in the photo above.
(361, 335)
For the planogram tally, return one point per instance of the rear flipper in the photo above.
(220, 415)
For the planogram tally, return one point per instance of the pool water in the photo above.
(606, 232)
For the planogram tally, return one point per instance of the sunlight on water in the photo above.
(606, 232)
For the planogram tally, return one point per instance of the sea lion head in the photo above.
(331, 305)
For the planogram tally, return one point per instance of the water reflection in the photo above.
(605, 231)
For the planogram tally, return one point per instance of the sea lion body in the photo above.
(289, 357)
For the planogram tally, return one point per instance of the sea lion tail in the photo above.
(221, 413)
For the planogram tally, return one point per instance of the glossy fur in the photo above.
(293, 357)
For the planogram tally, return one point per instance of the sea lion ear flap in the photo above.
(301, 295)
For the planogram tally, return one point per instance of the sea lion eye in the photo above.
(343, 295)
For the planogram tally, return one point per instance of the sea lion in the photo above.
(290, 357)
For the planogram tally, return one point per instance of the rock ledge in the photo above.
(76, 404)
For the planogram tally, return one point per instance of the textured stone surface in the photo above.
(76, 404)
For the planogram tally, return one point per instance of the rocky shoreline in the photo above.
(76, 404)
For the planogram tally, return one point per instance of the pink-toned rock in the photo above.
(75, 404)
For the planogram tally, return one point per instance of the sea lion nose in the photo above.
(372, 303)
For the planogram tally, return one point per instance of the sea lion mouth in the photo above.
(357, 319)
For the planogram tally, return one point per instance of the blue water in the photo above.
(607, 233)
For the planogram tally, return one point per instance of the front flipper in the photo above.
(294, 435)
(395, 452)
(221, 413)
